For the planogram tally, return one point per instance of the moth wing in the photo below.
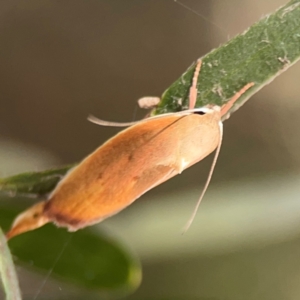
(116, 174)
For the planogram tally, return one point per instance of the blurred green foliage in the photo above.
(88, 259)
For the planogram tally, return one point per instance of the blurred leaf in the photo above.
(33, 182)
(7, 271)
(85, 258)
(258, 55)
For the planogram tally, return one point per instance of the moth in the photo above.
(131, 163)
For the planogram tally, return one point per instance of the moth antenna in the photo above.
(101, 122)
(226, 107)
(193, 88)
(190, 221)
(97, 121)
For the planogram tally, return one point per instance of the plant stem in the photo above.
(8, 272)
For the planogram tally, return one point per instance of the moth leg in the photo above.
(226, 107)
(193, 88)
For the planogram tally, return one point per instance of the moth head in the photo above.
(207, 110)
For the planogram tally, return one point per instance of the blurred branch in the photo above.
(260, 54)
(7, 271)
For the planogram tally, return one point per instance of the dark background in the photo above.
(62, 60)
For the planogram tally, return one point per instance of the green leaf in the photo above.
(85, 258)
(33, 183)
(7, 271)
(258, 55)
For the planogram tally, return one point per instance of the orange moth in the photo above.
(134, 161)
